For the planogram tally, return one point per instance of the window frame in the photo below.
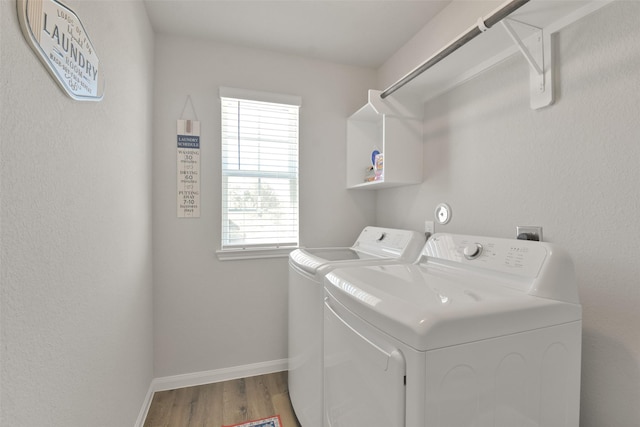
(252, 251)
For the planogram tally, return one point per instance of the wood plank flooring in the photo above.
(224, 403)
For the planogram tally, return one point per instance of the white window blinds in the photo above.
(259, 170)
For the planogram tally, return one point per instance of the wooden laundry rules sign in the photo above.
(61, 42)
(188, 169)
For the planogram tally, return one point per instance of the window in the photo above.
(259, 170)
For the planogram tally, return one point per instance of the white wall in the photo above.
(212, 315)
(452, 21)
(572, 168)
(76, 229)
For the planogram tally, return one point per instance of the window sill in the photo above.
(240, 254)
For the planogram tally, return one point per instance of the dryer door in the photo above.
(363, 373)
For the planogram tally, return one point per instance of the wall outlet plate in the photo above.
(429, 227)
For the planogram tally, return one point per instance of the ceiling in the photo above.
(356, 32)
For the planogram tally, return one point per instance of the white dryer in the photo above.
(307, 268)
(478, 332)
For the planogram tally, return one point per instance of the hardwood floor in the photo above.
(225, 403)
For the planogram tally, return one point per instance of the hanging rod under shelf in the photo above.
(483, 25)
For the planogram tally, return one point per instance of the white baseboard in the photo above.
(142, 416)
(208, 377)
(217, 375)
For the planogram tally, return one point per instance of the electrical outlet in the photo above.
(529, 233)
(429, 227)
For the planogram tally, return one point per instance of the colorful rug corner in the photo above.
(263, 422)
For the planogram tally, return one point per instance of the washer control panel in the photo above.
(520, 257)
(389, 242)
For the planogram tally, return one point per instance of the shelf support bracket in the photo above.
(536, 49)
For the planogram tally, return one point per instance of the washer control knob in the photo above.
(472, 251)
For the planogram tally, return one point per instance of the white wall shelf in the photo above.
(394, 129)
(527, 30)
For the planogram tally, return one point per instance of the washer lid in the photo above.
(429, 307)
(373, 243)
(311, 260)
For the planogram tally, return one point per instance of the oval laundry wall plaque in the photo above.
(59, 39)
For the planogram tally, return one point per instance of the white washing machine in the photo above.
(478, 332)
(307, 268)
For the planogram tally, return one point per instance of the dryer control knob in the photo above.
(472, 251)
